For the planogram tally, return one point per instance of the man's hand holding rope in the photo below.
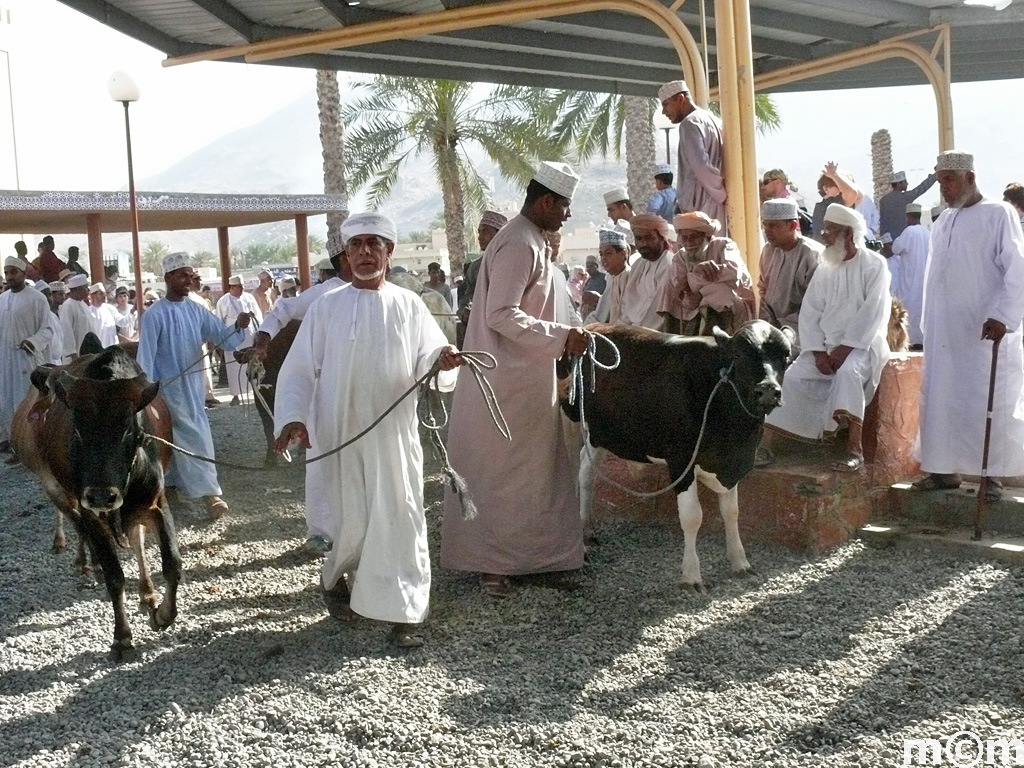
(295, 432)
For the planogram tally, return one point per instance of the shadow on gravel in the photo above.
(971, 660)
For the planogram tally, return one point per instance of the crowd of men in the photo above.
(364, 341)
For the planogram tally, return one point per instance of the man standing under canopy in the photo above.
(654, 238)
(973, 297)
(663, 201)
(229, 306)
(699, 184)
(892, 208)
(842, 342)
(491, 223)
(24, 333)
(359, 349)
(528, 514)
(618, 205)
(75, 319)
(910, 252)
(171, 340)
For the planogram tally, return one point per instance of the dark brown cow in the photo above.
(277, 351)
(83, 435)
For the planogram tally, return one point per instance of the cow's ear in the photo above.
(721, 336)
(148, 393)
(91, 344)
(62, 386)
(40, 378)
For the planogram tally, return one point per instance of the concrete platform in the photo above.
(955, 509)
(955, 542)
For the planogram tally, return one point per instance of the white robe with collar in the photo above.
(23, 317)
(639, 305)
(75, 322)
(357, 352)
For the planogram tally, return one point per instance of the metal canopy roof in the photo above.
(605, 51)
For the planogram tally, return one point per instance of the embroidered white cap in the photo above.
(98, 288)
(779, 209)
(369, 223)
(77, 281)
(616, 195)
(954, 160)
(558, 177)
(176, 260)
(897, 177)
(235, 280)
(662, 168)
(58, 286)
(670, 89)
(914, 208)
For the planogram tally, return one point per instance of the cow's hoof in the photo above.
(122, 651)
(746, 571)
(58, 547)
(148, 603)
(699, 587)
(161, 618)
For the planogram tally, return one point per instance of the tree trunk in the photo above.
(881, 162)
(332, 143)
(454, 208)
(640, 150)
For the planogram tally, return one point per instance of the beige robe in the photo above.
(783, 279)
(528, 518)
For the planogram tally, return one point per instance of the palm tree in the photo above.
(397, 118)
(595, 124)
(332, 144)
(153, 256)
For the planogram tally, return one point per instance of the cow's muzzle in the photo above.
(769, 396)
(101, 499)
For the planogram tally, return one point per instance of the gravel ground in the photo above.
(819, 661)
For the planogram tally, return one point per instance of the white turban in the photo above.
(779, 209)
(616, 195)
(78, 281)
(670, 89)
(560, 178)
(369, 223)
(176, 260)
(847, 217)
(235, 280)
(14, 261)
(954, 161)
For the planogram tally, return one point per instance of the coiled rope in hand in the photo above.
(476, 362)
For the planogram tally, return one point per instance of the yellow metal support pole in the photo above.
(468, 17)
(736, 95)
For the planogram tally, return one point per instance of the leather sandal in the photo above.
(936, 482)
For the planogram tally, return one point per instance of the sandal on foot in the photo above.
(405, 636)
(337, 601)
(851, 463)
(936, 482)
(495, 585)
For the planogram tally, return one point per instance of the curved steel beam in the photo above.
(469, 17)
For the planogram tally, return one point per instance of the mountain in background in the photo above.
(281, 155)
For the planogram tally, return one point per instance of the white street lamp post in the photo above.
(123, 89)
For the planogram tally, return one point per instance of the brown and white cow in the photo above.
(650, 408)
(82, 432)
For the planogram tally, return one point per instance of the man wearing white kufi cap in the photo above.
(104, 316)
(359, 349)
(75, 319)
(699, 183)
(910, 254)
(618, 204)
(491, 223)
(171, 337)
(229, 306)
(973, 296)
(325, 270)
(787, 263)
(54, 350)
(892, 207)
(614, 252)
(663, 201)
(25, 333)
(842, 341)
(528, 517)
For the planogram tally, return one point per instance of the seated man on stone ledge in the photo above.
(842, 341)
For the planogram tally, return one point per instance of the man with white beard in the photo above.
(709, 284)
(653, 236)
(910, 252)
(973, 295)
(842, 342)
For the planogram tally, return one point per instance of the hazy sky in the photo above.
(70, 135)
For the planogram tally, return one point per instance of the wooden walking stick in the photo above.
(979, 510)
